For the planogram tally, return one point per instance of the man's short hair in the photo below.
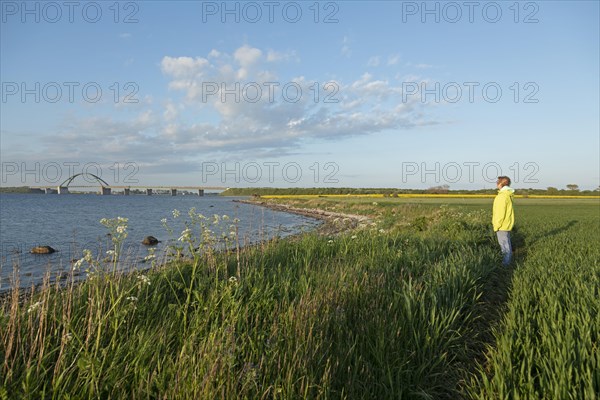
(503, 180)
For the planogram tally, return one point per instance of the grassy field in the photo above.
(411, 305)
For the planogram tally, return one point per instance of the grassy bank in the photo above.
(402, 307)
(547, 345)
(397, 192)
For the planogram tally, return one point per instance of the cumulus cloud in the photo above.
(215, 109)
(258, 109)
(247, 55)
(183, 67)
(275, 56)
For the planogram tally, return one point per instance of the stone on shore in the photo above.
(150, 241)
(42, 250)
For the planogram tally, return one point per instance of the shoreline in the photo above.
(334, 223)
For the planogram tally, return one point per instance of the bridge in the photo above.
(106, 189)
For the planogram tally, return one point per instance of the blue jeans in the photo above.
(505, 246)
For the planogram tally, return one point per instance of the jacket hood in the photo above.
(508, 189)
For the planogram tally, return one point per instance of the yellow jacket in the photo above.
(503, 215)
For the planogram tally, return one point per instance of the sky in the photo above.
(396, 94)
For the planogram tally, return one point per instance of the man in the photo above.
(503, 217)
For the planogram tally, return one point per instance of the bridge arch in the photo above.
(68, 181)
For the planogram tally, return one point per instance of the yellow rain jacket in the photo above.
(503, 215)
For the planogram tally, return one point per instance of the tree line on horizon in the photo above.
(443, 189)
(572, 189)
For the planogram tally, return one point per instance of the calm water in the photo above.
(70, 223)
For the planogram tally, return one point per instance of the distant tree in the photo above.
(572, 186)
(552, 190)
(438, 189)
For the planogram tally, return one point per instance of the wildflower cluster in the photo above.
(151, 254)
(117, 228)
(34, 307)
(87, 258)
(118, 232)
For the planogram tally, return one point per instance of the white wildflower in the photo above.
(150, 257)
(87, 255)
(132, 298)
(176, 213)
(353, 237)
(78, 263)
(121, 229)
(110, 252)
(375, 203)
(144, 279)
(185, 235)
(233, 280)
(34, 307)
(382, 231)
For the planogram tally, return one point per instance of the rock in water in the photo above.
(42, 250)
(150, 241)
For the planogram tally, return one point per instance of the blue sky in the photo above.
(377, 94)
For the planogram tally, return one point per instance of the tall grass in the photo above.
(390, 310)
(372, 313)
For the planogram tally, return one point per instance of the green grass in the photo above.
(547, 343)
(258, 191)
(415, 306)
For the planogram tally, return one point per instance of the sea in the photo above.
(71, 223)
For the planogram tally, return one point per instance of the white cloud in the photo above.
(253, 119)
(275, 122)
(170, 112)
(183, 67)
(374, 61)
(393, 59)
(346, 51)
(275, 56)
(247, 56)
(145, 118)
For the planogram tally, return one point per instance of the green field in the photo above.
(413, 304)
